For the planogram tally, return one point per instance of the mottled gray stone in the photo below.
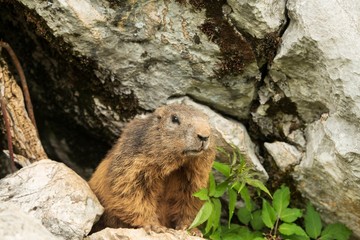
(258, 17)
(284, 154)
(16, 225)
(55, 195)
(317, 69)
(135, 234)
(146, 51)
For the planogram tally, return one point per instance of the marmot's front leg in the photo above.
(189, 179)
(137, 212)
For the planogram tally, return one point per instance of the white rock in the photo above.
(135, 234)
(145, 53)
(329, 174)
(258, 17)
(317, 68)
(16, 225)
(319, 58)
(54, 194)
(228, 132)
(284, 154)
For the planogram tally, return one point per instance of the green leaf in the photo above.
(258, 184)
(213, 221)
(281, 200)
(223, 151)
(313, 223)
(220, 189)
(202, 194)
(238, 186)
(268, 214)
(232, 201)
(244, 215)
(203, 214)
(217, 213)
(234, 158)
(245, 234)
(215, 235)
(292, 228)
(237, 232)
(212, 184)
(290, 215)
(256, 221)
(297, 237)
(335, 231)
(210, 222)
(223, 168)
(244, 193)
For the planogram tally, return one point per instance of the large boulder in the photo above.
(56, 196)
(17, 225)
(133, 57)
(316, 69)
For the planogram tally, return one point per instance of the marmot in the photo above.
(147, 179)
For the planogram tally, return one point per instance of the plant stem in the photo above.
(276, 225)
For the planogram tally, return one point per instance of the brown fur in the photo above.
(148, 178)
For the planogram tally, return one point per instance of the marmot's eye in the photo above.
(175, 119)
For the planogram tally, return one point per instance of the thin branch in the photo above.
(22, 80)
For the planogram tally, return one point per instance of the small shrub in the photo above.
(273, 220)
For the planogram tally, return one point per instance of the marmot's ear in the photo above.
(160, 112)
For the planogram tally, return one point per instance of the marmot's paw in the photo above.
(195, 232)
(155, 228)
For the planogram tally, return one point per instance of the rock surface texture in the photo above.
(55, 196)
(288, 70)
(316, 68)
(17, 225)
(135, 234)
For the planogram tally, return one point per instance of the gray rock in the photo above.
(285, 155)
(16, 225)
(258, 17)
(144, 54)
(317, 63)
(329, 173)
(228, 132)
(55, 195)
(317, 69)
(135, 234)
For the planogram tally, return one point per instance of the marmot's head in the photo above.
(182, 130)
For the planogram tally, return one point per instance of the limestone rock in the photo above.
(229, 132)
(135, 56)
(258, 17)
(284, 154)
(135, 234)
(316, 68)
(317, 63)
(329, 173)
(16, 225)
(55, 195)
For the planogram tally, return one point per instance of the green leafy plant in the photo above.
(272, 220)
(238, 176)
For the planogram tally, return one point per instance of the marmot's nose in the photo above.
(203, 138)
